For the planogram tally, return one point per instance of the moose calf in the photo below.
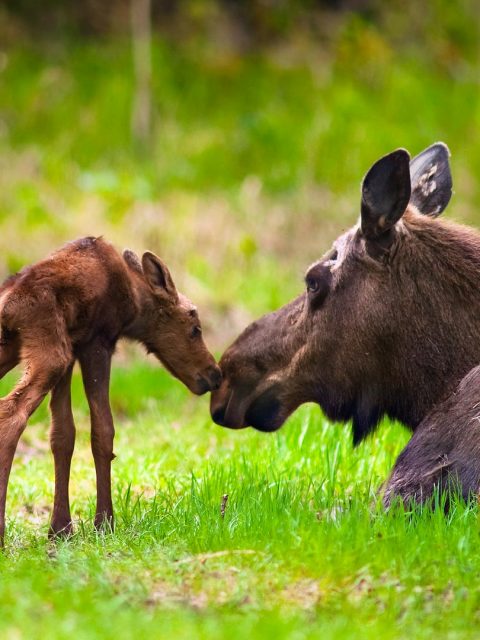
(75, 305)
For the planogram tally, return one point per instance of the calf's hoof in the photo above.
(60, 529)
(104, 523)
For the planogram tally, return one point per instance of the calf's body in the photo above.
(75, 305)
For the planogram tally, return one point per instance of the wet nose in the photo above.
(214, 377)
(209, 380)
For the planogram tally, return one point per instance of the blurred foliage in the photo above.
(266, 116)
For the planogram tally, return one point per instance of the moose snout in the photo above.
(209, 380)
(225, 410)
(218, 414)
(219, 402)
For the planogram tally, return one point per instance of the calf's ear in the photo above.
(385, 193)
(157, 274)
(431, 180)
(132, 260)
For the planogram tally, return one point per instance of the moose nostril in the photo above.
(218, 416)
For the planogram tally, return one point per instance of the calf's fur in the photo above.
(75, 305)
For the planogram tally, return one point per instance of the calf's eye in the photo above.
(196, 332)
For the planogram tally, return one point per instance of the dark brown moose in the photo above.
(75, 305)
(389, 323)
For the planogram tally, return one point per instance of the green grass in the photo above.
(303, 549)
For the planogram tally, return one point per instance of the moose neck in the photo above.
(441, 341)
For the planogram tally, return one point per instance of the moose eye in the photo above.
(334, 255)
(313, 284)
(196, 332)
(318, 281)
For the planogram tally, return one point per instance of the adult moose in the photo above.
(389, 322)
(75, 305)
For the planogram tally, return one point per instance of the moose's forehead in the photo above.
(342, 246)
(267, 331)
(344, 243)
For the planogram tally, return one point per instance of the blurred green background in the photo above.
(264, 115)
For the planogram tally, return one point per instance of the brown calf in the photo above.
(75, 305)
(388, 325)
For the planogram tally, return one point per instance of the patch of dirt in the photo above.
(200, 590)
(305, 594)
(203, 557)
(35, 514)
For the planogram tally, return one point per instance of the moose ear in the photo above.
(157, 274)
(431, 180)
(385, 193)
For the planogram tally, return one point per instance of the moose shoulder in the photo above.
(390, 320)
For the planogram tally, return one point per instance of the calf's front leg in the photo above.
(95, 364)
(62, 442)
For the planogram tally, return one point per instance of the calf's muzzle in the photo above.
(209, 380)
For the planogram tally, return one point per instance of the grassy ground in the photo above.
(302, 550)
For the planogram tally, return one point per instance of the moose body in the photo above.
(444, 451)
(389, 323)
(75, 305)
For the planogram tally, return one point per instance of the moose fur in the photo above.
(444, 451)
(389, 324)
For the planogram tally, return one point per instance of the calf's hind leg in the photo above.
(15, 409)
(62, 442)
(9, 352)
